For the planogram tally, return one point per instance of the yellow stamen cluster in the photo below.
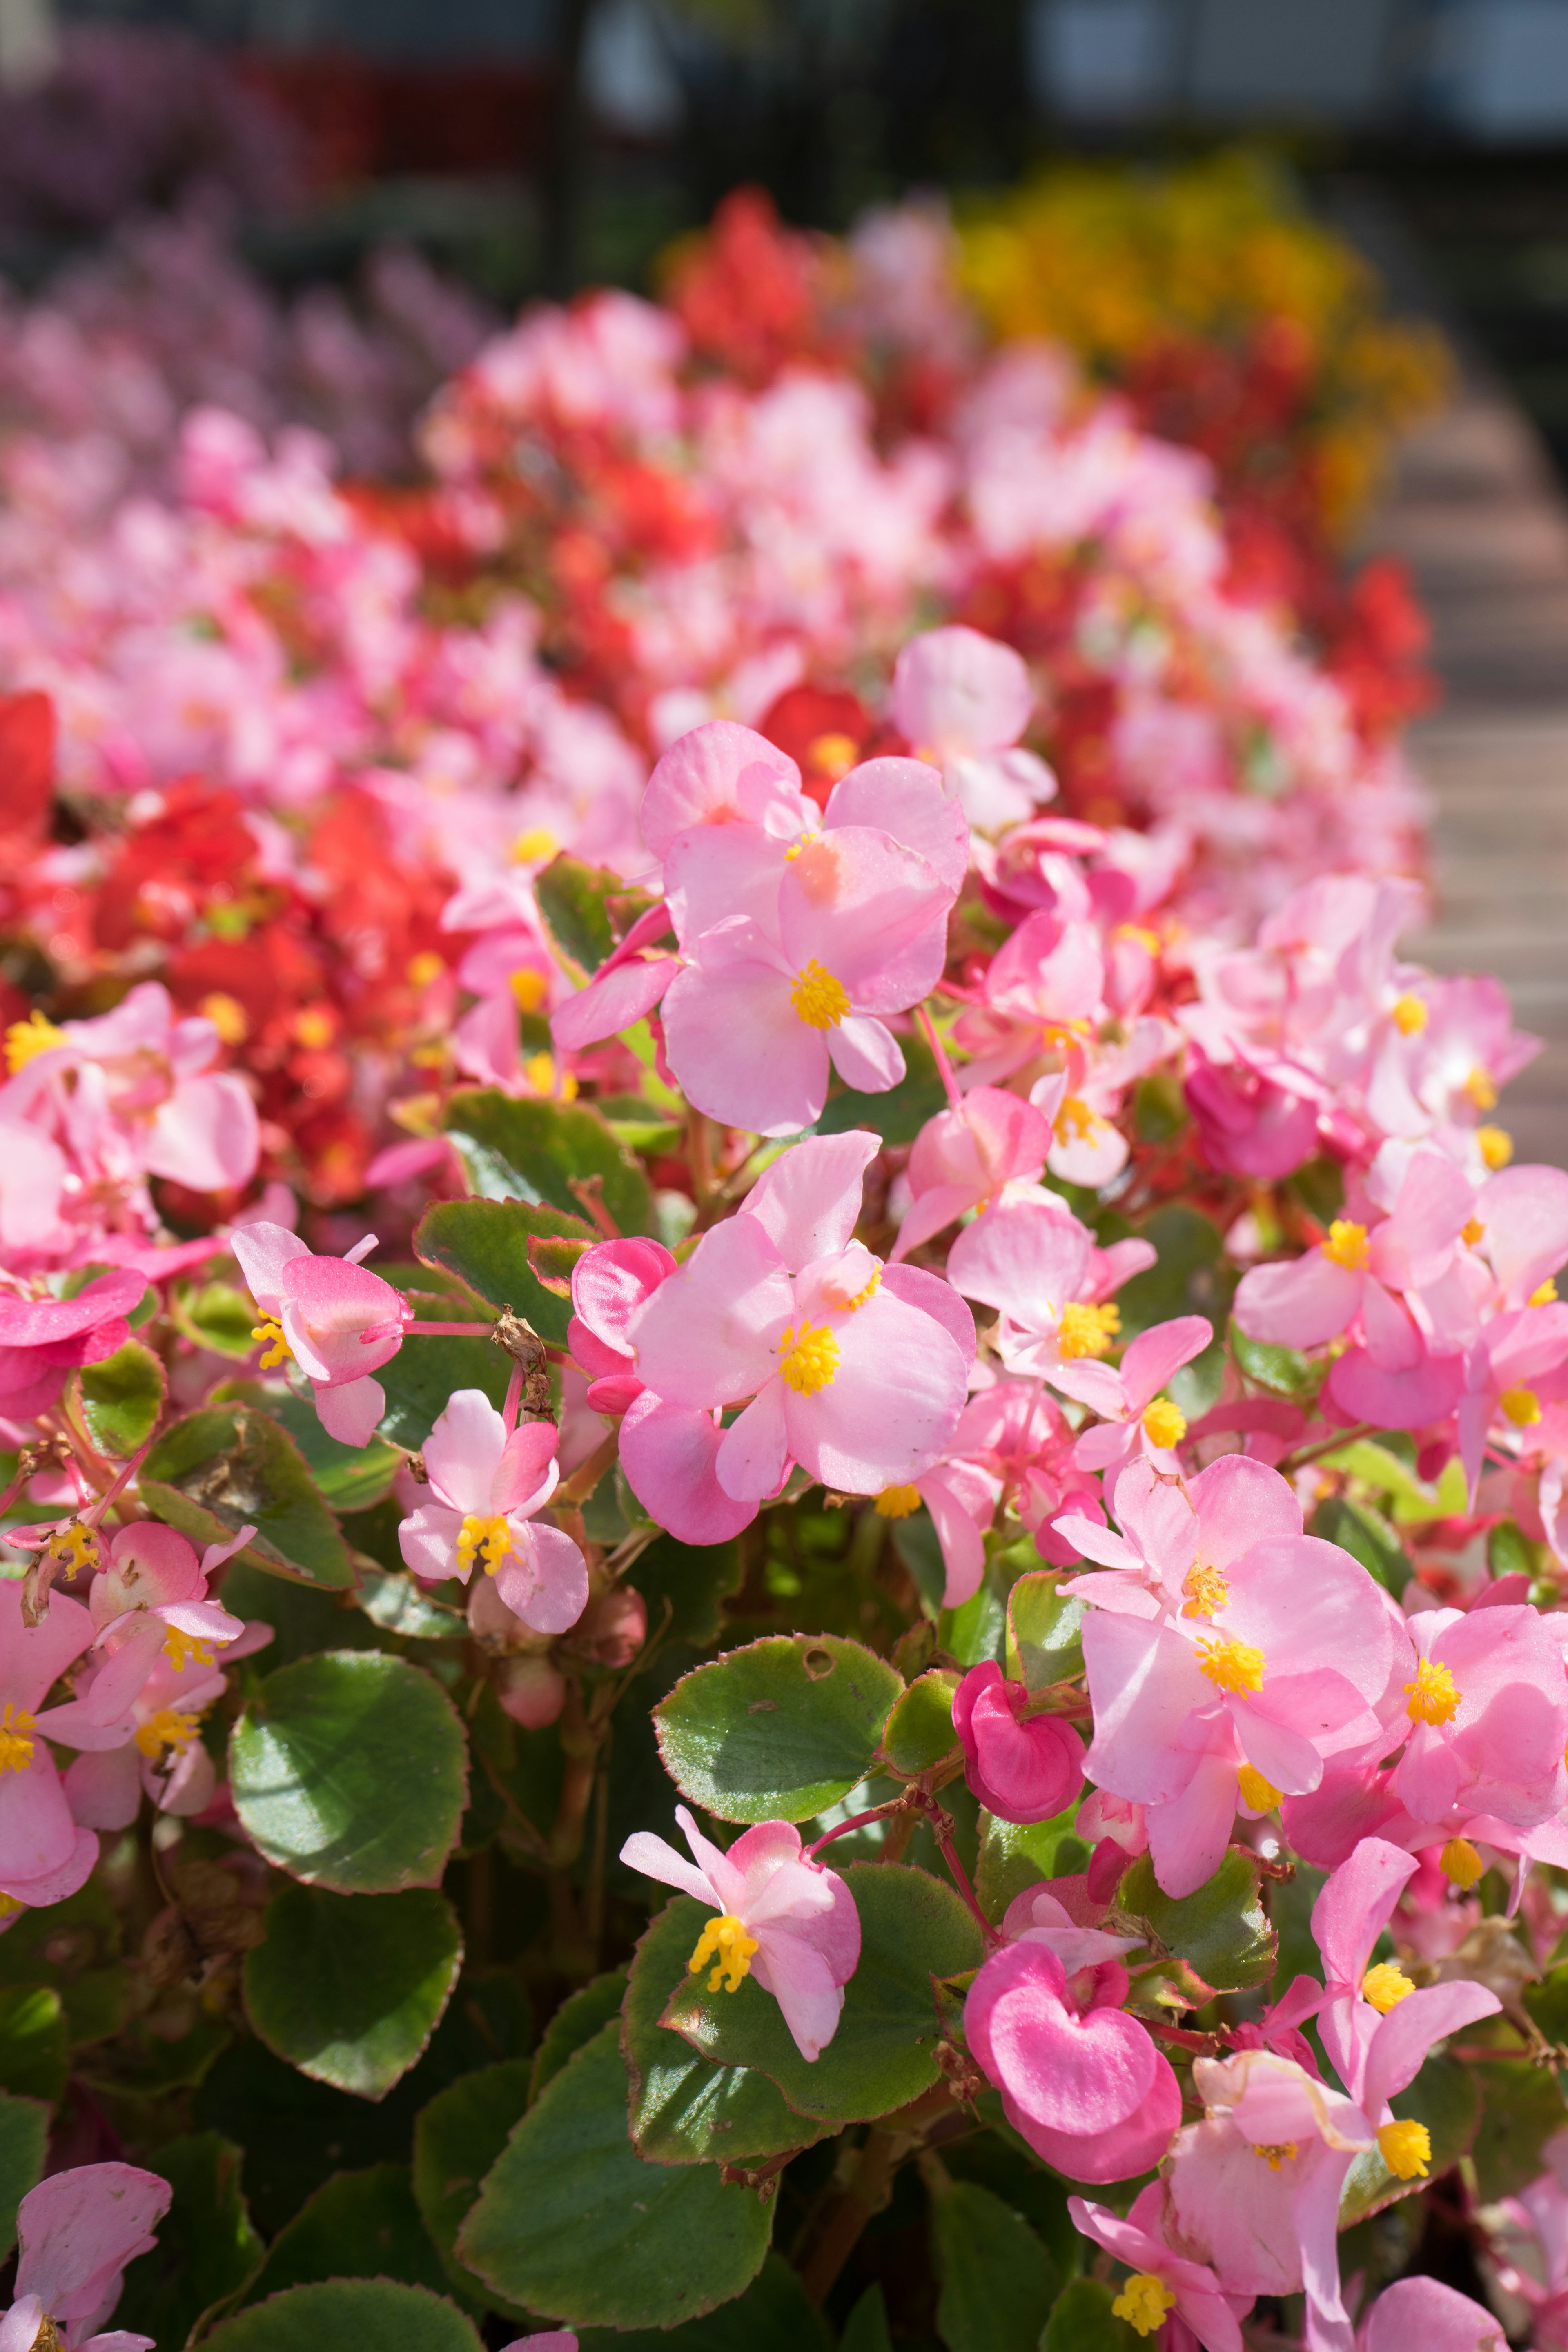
(1523, 1406)
(1472, 1231)
(870, 1290)
(832, 754)
(26, 1039)
(1409, 1014)
(1481, 1088)
(532, 848)
(1544, 1294)
(1276, 2152)
(167, 1728)
(181, 1649)
(808, 1361)
(424, 968)
(16, 1746)
(725, 1941)
(487, 1539)
(274, 1346)
(1255, 1791)
(1206, 1589)
(1074, 1118)
(1407, 2148)
(1495, 1146)
(1461, 1865)
(1088, 1330)
(1234, 1666)
(1164, 1423)
(1432, 1696)
(73, 1548)
(898, 1502)
(529, 987)
(1143, 2302)
(1347, 1245)
(1386, 1986)
(817, 999)
(540, 1071)
(227, 1016)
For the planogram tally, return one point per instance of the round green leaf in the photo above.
(570, 2222)
(684, 2110)
(491, 1245)
(515, 1149)
(121, 1397)
(772, 2316)
(1222, 1931)
(913, 1928)
(358, 2312)
(357, 2225)
(920, 1730)
(575, 2022)
(349, 1770)
(349, 1988)
(1044, 1632)
(778, 1730)
(456, 2138)
(998, 2283)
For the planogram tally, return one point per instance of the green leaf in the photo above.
(578, 902)
(304, 1619)
(1016, 1854)
(360, 2225)
(1283, 1371)
(913, 1928)
(899, 1115)
(1366, 1535)
(350, 1771)
(977, 1628)
(229, 1464)
(695, 1579)
(350, 1478)
(216, 1316)
(348, 1988)
(572, 2223)
(207, 2250)
(777, 1731)
(1522, 2110)
(34, 2055)
(920, 1730)
(517, 1149)
(1190, 1275)
(1222, 1931)
(1044, 1632)
(345, 2312)
(1509, 1552)
(579, 2018)
(494, 1245)
(120, 1397)
(24, 2144)
(684, 2110)
(1083, 2321)
(457, 2139)
(866, 2329)
(997, 2282)
(772, 2316)
(400, 1604)
(143, 2065)
(1447, 2100)
(424, 1375)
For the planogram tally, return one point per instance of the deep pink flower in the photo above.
(44, 1340)
(487, 1484)
(337, 1320)
(77, 2233)
(1020, 1770)
(1082, 2082)
(786, 1920)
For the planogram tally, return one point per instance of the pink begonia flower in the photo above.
(79, 2232)
(149, 1601)
(1012, 1440)
(1043, 994)
(1523, 1216)
(337, 1320)
(784, 1919)
(44, 1856)
(1080, 2081)
(982, 1152)
(153, 1745)
(1039, 1916)
(1087, 1146)
(1178, 1541)
(1517, 1365)
(964, 700)
(1021, 1772)
(132, 1093)
(1272, 1664)
(1035, 1262)
(44, 1340)
(487, 1482)
(1531, 2248)
(854, 1370)
(1162, 2280)
(1423, 2312)
(1254, 2189)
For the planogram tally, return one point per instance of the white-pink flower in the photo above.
(487, 1484)
(339, 1321)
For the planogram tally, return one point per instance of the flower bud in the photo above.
(1022, 1772)
(532, 1691)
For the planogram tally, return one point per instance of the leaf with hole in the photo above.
(230, 1465)
(778, 1730)
(349, 1988)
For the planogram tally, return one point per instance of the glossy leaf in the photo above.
(1222, 1931)
(1446, 2098)
(216, 1316)
(772, 2316)
(997, 2283)
(120, 1397)
(426, 1374)
(1083, 2321)
(522, 1148)
(1282, 1371)
(1016, 1854)
(230, 1465)
(358, 2312)
(24, 2144)
(913, 1928)
(587, 909)
(34, 2051)
(1045, 1631)
(1367, 1536)
(350, 1478)
(491, 1244)
(574, 2024)
(694, 1579)
(920, 1732)
(571, 2222)
(358, 2225)
(207, 2250)
(349, 1988)
(777, 1731)
(457, 2139)
(350, 1771)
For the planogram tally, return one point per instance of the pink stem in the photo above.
(955, 1100)
(446, 1330)
(124, 1478)
(513, 1397)
(857, 1820)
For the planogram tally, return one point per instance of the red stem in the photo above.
(857, 1820)
(955, 1100)
(446, 1330)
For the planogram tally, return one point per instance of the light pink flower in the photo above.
(150, 1599)
(1033, 1260)
(337, 1320)
(43, 1340)
(1040, 1916)
(980, 1154)
(1190, 2289)
(1424, 2312)
(487, 1484)
(964, 700)
(1020, 1770)
(153, 1745)
(1079, 2079)
(1044, 994)
(77, 2233)
(786, 1920)
(1178, 1539)
(44, 1856)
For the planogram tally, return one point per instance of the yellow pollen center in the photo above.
(1407, 2148)
(26, 1039)
(898, 1502)
(488, 1540)
(314, 1028)
(1386, 1986)
(179, 1648)
(226, 1014)
(1347, 1245)
(1277, 2152)
(1479, 1087)
(530, 988)
(167, 1728)
(15, 1747)
(872, 1288)
(1076, 1117)
(819, 999)
(1143, 2302)
(1544, 1295)
(1472, 1231)
(1206, 1589)
(1164, 1423)
(809, 1363)
(1231, 1665)
(1140, 932)
(725, 1941)
(1523, 1406)
(1409, 1015)
(1432, 1696)
(832, 754)
(1088, 1330)
(540, 1072)
(424, 968)
(1495, 1146)
(1461, 1865)
(73, 1548)
(1255, 1791)
(275, 1347)
(8, 1903)
(532, 848)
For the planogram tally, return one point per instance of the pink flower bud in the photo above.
(1022, 1772)
(532, 1691)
